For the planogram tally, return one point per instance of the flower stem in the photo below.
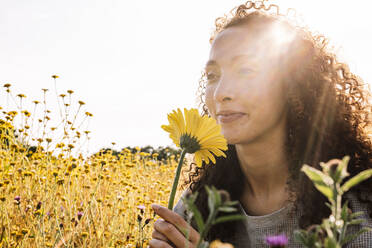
(207, 226)
(176, 178)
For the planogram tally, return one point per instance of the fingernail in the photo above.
(155, 207)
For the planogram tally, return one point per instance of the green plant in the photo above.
(332, 233)
(218, 201)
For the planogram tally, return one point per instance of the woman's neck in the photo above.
(265, 168)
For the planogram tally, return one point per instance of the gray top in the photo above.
(285, 221)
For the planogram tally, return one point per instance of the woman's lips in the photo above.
(227, 118)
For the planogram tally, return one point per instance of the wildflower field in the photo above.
(52, 195)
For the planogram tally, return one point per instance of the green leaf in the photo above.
(329, 205)
(217, 197)
(230, 203)
(325, 190)
(342, 168)
(227, 209)
(211, 199)
(326, 226)
(301, 236)
(340, 172)
(229, 218)
(331, 243)
(344, 211)
(321, 181)
(356, 179)
(356, 221)
(316, 175)
(356, 214)
(197, 215)
(308, 239)
(208, 189)
(350, 237)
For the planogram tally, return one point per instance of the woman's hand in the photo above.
(172, 230)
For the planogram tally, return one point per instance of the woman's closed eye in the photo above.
(211, 77)
(245, 71)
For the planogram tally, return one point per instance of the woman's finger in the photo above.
(158, 235)
(156, 243)
(171, 233)
(175, 219)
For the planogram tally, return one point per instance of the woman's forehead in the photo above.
(239, 42)
(263, 42)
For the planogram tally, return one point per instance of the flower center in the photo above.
(189, 143)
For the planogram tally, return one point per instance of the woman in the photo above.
(282, 100)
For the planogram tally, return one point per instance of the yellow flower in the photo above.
(218, 244)
(26, 113)
(196, 134)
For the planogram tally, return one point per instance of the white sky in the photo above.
(132, 62)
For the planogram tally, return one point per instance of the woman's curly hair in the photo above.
(328, 115)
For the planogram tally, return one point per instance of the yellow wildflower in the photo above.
(197, 134)
(218, 244)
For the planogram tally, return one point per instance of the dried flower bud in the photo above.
(79, 215)
(147, 221)
(225, 196)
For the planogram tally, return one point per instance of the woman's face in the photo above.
(244, 92)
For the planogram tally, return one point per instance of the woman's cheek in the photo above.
(209, 100)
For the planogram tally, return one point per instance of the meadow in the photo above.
(52, 195)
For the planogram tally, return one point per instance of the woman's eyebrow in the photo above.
(236, 58)
(250, 57)
(210, 63)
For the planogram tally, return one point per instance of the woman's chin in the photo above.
(231, 140)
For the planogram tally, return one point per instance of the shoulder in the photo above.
(359, 201)
(357, 205)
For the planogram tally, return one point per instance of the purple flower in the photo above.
(141, 207)
(17, 198)
(277, 241)
(28, 207)
(79, 215)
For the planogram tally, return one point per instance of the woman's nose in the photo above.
(224, 90)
